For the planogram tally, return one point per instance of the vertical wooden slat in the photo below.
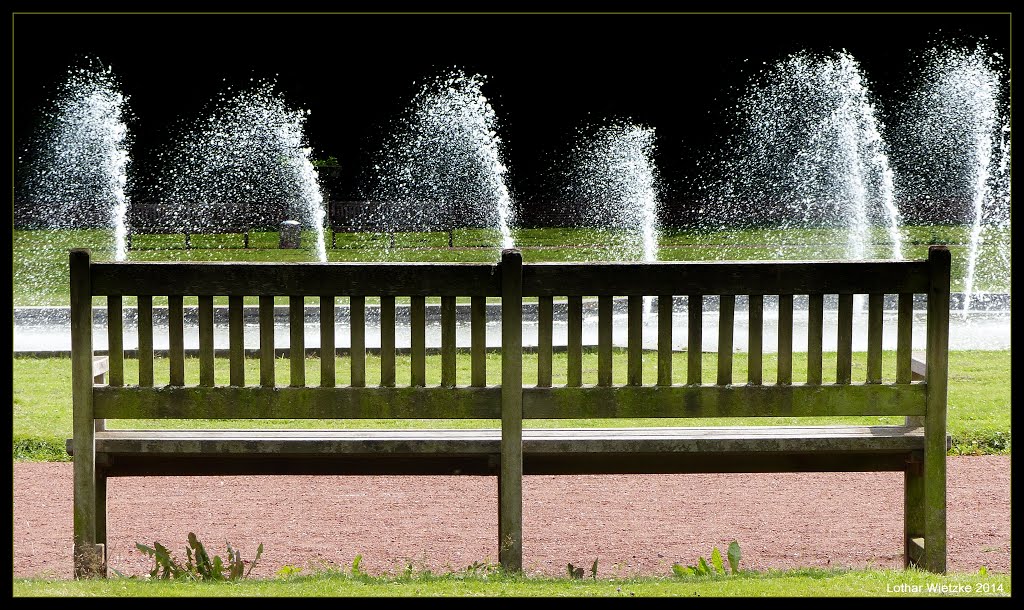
(875, 338)
(206, 372)
(844, 339)
(574, 341)
(936, 371)
(510, 482)
(665, 339)
(785, 375)
(115, 341)
(478, 341)
(755, 338)
(545, 322)
(815, 336)
(297, 341)
(266, 341)
(387, 341)
(357, 340)
(87, 562)
(145, 311)
(634, 340)
(604, 340)
(236, 340)
(694, 338)
(328, 347)
(904, 337)
(448, 342)
(726, 325)
(176, 338)
(418, 328)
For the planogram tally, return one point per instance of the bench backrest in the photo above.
(374, 216)
(512, 282)
(159, 218)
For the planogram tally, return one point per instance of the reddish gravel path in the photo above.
(633, 525)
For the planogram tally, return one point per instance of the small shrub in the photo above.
(715, 567)
(482, 568)
(33, 449)
(288, 571)
(198, 565)
(575, 572)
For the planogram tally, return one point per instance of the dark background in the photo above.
(547, 74)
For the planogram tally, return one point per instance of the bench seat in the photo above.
(476, 451)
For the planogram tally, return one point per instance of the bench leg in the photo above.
(935, 510)
(89, 553)
(510, 519)
(101, 522)
(913, 511)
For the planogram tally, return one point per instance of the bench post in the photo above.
(88, 554)
(510, 474)
(937, 369)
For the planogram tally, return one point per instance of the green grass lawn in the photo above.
(978, 416)
(789, 583)
(40, 257)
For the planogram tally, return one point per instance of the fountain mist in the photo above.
(79, 175)
(444, 168)
(614, 179)
(811, 153)
(958, 137)
(250, 150)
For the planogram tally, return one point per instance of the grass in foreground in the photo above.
(790, 583)
(978, 413)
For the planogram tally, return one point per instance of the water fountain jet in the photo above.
(445, 167)
(612, 172)
(79, 175)
(250, 149)
(957, 136)
(811, 153)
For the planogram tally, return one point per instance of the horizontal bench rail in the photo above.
(254, 402)
(728, 278)
(286, 279)
(465, 402)
(477, 451)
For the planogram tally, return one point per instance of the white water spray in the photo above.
(250, 150)
(80, 176)
(811, 153)
(444, 168)
(613, 178)
(957, 137)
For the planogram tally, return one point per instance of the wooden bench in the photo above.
(917, 447)
(368, 217)
(188, 220)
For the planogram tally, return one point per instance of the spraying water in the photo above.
(79, 176)
(959, 130)
(614, 178)
(811, 153)
(250, 150)
(444, 168)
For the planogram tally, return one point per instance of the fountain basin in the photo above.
(47, 330)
